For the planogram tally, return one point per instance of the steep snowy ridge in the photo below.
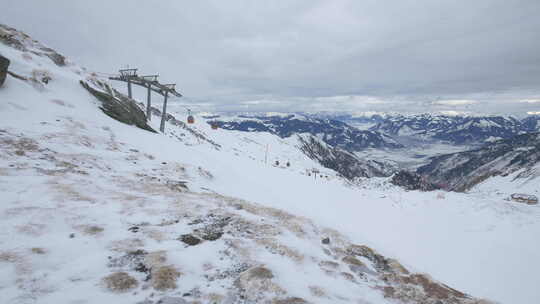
(345, 163)
(97, 210)
(463, 170)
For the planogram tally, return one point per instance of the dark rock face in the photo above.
(120, 107)
(412, 181)
(189, 239)
(463, 170)
(22, 42)
(343, 162)
(4, 64)
(58, 59)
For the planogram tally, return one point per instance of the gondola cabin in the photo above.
(190, 119)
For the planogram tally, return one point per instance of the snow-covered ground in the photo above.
(80, 189)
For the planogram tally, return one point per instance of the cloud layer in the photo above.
(308, 55)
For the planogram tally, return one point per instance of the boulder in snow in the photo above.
(4, 63)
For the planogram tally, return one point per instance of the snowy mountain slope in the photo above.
(74, 176)
(68, 168)
(463, 170)
(146, 237)
(531, 123)
(347, 164)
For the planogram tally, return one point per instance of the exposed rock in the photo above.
(212, 235)
(213, 228)
(58, 59)
(345, 163)
(4, 64)
(120, 282)
(325, 241)
(190, 239)
(119, 107)
(22, 42)
(412, 181)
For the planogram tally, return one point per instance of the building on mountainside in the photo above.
(528, 199)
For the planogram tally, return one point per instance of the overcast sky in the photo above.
(363, 55)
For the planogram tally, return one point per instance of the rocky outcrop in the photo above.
(412, 181)
(22, 42)
(119, 107)
(345, 163)
(4, 63)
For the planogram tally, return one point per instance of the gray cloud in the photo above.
(308, 55)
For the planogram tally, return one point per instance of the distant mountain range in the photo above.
(385, 130)
(332, 132)
(503, 144)
(463, 170)
(456, 129)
